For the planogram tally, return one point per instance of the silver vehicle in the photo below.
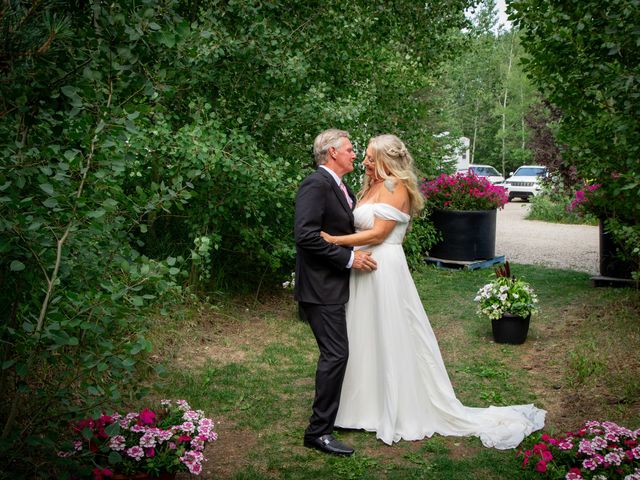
(486, 171)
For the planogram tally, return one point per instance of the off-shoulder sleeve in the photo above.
(385, 211)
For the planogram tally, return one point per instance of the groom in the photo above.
(324, 203)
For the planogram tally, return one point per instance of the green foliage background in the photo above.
(152, 149)
(598, 94)
(152, 145)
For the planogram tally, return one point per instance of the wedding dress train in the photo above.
(396, 383)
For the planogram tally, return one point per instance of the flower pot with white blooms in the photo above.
(509, 303)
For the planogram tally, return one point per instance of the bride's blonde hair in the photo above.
(392, 159)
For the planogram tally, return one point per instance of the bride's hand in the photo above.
(327, 237)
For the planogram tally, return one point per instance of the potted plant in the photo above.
(615, 262)
(149, 444)
(597, 450)
(463, 209)
(508, 302)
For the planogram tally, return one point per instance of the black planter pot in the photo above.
(510, 329)
(466, 235)
(610, 264)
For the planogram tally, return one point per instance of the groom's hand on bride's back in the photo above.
(364, 261)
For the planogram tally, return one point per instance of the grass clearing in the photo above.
(250, 365)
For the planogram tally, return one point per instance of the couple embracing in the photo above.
(380, 367)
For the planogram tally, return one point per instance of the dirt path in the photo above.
(573, 247)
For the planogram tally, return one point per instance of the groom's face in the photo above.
(343, 157)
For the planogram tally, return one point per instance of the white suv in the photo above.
(525, 181)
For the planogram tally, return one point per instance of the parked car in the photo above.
(486, 171)
(525, 181)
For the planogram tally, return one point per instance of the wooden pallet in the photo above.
(600, 281)
(465, 265)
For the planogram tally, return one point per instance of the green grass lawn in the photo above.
(250, 366)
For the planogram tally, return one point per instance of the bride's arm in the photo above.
(374, 236)
(398, 198)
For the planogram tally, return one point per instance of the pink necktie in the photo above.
(346, 194)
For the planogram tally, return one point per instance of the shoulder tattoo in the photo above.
(390, 185)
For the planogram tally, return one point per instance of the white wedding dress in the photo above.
(396, 383)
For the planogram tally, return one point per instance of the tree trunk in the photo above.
(504, 109)
(522, 126)
(472, 153)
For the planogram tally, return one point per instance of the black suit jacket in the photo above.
(322, 276)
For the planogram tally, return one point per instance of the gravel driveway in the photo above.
(572, 247)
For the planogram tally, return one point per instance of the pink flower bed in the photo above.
(463, 192)
(599, 450)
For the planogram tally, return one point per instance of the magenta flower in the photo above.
(194, 468)
(145, 447)
(589, 464)
(101, 473)
(539, 448)
(613, 458)
(188, 427)
(135, 452)
(586, 447)
(611, 437)
(599, 443)
(565, 444)
(600, 450)
(191, 415)
(463, 192)
(581, 200)
(117, 443)
(148, 440)
(147, 417)
(206, 422)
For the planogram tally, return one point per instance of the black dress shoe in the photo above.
(328, 444)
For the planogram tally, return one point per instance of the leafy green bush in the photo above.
(553, 205)
(628, 236)
(594, 92)
(129, 130)
(73, 220)
(548, 209)
(422, 235)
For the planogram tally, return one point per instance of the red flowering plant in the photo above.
(463, 191)
(169, 439)
(599, 450)
(585, 200)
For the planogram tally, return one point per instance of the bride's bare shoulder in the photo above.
(394, 193)
(394, 185)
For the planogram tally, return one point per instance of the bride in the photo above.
(396, 383)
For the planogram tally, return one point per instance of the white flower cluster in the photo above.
(506, 295)
(291, 283)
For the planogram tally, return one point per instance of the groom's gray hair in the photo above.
(324, 141)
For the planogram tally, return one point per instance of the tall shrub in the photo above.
(598, 92)
(152, 144)
(80, 85)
